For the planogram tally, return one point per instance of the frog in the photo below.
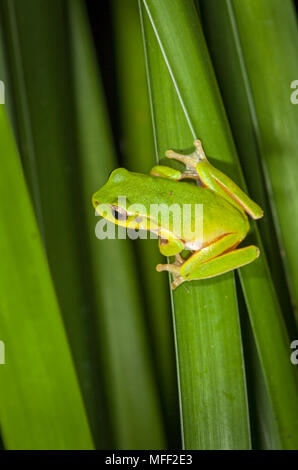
(226, 208)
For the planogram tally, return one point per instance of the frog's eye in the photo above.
(118, 213)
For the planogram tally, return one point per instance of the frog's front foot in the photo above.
(171, 268)
(177, 281)
(190, 161)
(174, 269)
(199, 150)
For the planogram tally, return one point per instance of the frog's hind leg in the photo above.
(224, 263)
(221, 184)
(226, 243)
(217, 258)
(199, 168)
(173, 268)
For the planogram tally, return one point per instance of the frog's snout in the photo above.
(95, 201)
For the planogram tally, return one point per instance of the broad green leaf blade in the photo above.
(224, 46)
(186, 103)
(273, 346)
(40, 401)
(268, 38)
(131, 390)
(37, 44)
(5, 76)
(138, 146)
(266, 318)
(137, 142)
(264, 431)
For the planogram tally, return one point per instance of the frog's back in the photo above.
(219, 216)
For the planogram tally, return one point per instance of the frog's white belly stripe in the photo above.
(194, 245)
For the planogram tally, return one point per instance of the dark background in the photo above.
(100, 14)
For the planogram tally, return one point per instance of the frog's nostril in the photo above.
(95, 201)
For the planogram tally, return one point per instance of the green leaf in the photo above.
(132, 397)
(221, 29)
(268, 38)
(40, 401)
(233, 81)
(36, 42)
(5, 76)
(137, 144)
(185, 102)
(266, 317)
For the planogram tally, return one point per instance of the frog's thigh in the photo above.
(224, 263)
(205, 254)
(211, 251)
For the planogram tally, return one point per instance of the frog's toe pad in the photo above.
(160, 267)
(172, 268)
(177, 281)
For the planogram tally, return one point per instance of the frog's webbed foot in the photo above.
(190, 161)
(177, 281)
(199, 150)
(174, 269)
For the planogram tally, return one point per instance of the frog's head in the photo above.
(122, 201)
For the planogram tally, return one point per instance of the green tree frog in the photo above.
(225, 223)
